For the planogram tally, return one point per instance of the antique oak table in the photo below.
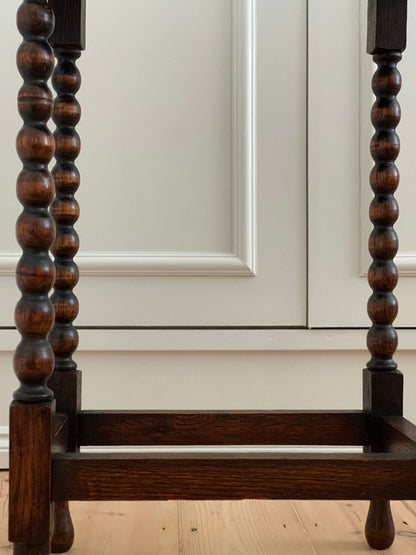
(47, 425)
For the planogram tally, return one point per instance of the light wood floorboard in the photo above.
(224, 528)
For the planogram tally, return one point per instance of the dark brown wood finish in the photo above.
(63, 337)
(31, 415)
(63, 529)
(397, 435)
(43, 442)
(67, 39)
(386, 25)
(383, 383)
(30, 477)
(223, 428)
(65, 210)
(383, 242)
(67, 389)
(35, 229)
(232, 476)
(70, 23)
(60, 433)
(379, 526)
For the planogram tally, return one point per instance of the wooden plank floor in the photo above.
(224, 528)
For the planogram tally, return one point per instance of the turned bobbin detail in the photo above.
(383, 382)
(35, 229)
(65, 210)
(383, 242)
(47, 469)
(66, 379)
(32, 412)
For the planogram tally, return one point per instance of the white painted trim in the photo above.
(220, 340)
(405, 262)
(4, 447)
(244, 132)
(367, 67)
(152, 264)
(231, 449)
(242, 260)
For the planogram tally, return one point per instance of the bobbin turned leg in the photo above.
(31, 414)
(66, 379)
(382, 382)
(67, 40)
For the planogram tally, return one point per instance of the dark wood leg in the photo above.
(379, 527)
(63, 531)
(32, 413)
(66, 379)
(383, 383)
(67, 388)
(30, 477)
(31, 549)
(383, 394)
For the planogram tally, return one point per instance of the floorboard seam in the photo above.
(298, 518)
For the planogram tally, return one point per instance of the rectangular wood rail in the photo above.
(46, 465)
(144, 476)
(223, 428)
(397, 435)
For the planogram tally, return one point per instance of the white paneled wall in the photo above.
(199, 127)
(340, 100)
(193, 165)
(218, 380)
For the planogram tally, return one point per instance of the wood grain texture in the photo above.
(232, 476)
(230, 527)
(322, 523)
(30, 476)
(253, 527)
(63, 529)
(66, 379)
(70, 18)
(397, 435)
(35, 229)
(65, 210)
(337, 527)
(67, 389)
(223, 428)
(379, 526)
(123, 527)
(383, 242)
(383, 391)
(31, 415)
(382, 382)
(374, 476)
(387, 21)
(382, 394)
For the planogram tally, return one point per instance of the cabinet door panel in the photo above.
(339, 165)
(193, 165)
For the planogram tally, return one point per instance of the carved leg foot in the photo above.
(19, 549)
(63, 532)
(379, 527)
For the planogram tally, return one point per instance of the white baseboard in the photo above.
(4, 449)
(259, 340)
